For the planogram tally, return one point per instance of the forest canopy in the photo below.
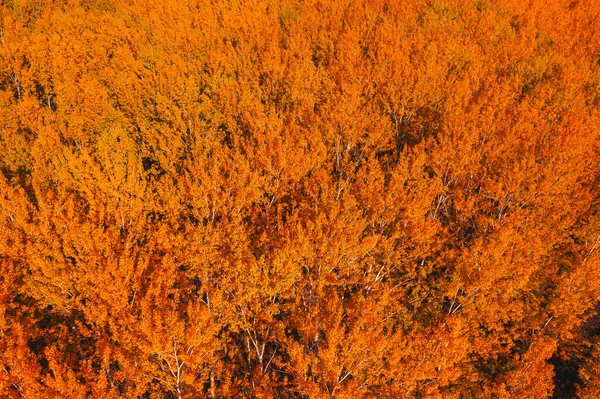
(299, 199)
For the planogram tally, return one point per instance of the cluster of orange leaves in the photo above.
(299, 198)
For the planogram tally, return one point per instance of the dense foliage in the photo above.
(299, 199)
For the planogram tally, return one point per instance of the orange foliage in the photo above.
(299, 199)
